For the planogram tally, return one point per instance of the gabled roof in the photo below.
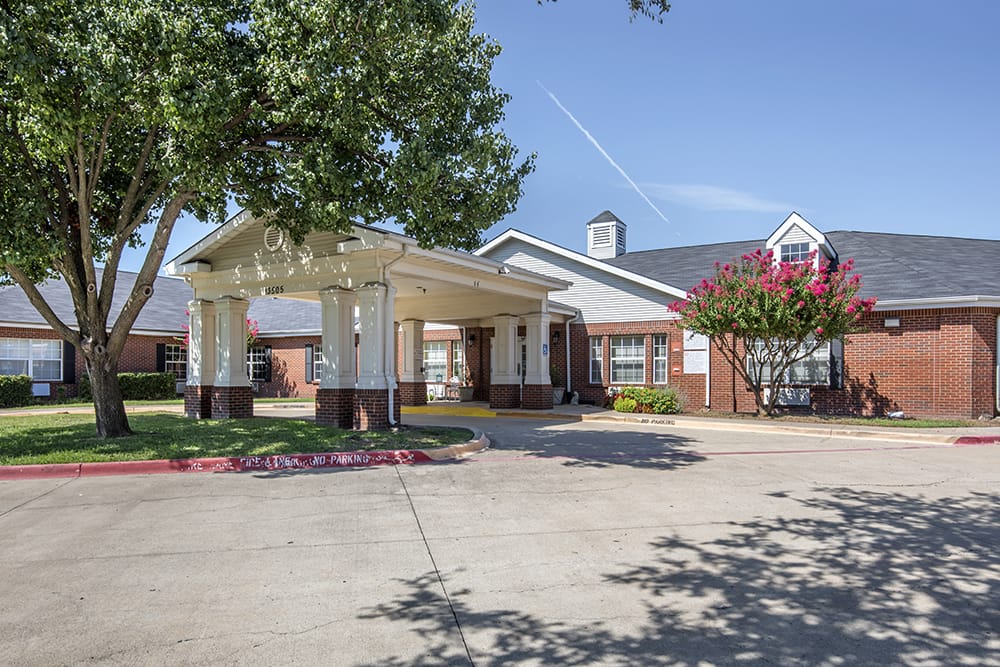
(796, 220)
(893, 267)
(603, 265)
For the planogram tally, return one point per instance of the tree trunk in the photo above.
(109, 408)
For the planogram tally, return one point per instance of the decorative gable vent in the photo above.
(605, 236)
(273, 238)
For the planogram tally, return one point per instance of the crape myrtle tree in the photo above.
(118, 116)
(765, 316)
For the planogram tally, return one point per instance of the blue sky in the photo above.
(862, 115)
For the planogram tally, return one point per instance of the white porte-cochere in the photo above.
(377, 289)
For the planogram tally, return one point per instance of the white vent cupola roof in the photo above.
(606, 236)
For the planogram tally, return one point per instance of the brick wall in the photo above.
(138, 355)
(505, 396)
(335, 407)
(371, 409)
(198, 401)
(537, 397)
(937, 363)
(232, 402)
(690, 387)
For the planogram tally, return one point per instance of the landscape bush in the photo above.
(647, 400)
(15, 391)
(137, 386)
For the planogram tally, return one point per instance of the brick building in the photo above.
(586, 322)
(929, 349)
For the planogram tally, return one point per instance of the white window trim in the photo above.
(665, 358)
(599, 358)
(30, 359)
(443, 365)
(631, 360)
(823, 352)
(179, 360)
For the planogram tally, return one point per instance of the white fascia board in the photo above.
(44, 326)
(475, 262)
(582, 259)
(971, 301)
(210, 240)
(289, 334)
(557, 308)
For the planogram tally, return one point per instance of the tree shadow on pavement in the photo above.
(599, 449)
(843, 577)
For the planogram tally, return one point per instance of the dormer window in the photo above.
(794, 252)
(795, 238)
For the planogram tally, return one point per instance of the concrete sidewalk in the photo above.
(989, 432)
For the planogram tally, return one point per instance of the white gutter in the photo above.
(969, 301)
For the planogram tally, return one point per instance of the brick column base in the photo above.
(232, 402)
(371, 409)
(537, 397)
(335, 407)
(198, 401)
(413, 393)
(505, 396)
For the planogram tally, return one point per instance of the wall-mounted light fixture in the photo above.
(555, 336)
(471, 339)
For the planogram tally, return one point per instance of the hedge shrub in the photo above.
(623, 404)
(647, 400)
(137, 386)
(15, 391)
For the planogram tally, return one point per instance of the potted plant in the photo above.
(558, 388)
(468, 387)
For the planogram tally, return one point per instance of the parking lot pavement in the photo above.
(567, 543)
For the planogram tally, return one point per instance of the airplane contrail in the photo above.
(603, 152)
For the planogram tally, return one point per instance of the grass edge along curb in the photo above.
(268, 463)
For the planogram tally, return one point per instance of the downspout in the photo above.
(390, 341)
(708, 374)
(569, 366)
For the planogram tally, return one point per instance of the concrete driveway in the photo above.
(566, 544)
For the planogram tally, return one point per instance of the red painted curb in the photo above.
(43, 471)
(978, 440)
(228, 464)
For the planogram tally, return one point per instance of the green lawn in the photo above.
(847, 421)
(69, 438)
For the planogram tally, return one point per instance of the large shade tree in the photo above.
(766, 316)
(117, 116)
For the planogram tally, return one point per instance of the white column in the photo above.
(413, 351)
(337, 305)
(390, 338)
(505, 350)
(371, 349)
(201, 343)
(231, 342)
(536, 341)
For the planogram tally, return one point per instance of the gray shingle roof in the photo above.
(605, 216)
(286, 315)
(164, 311)
(892, 266)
